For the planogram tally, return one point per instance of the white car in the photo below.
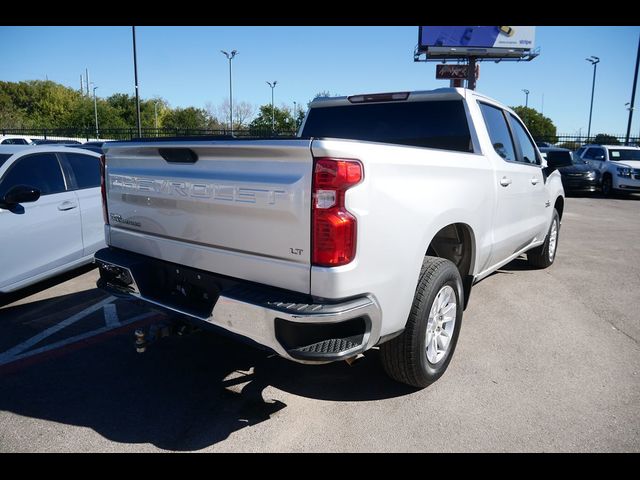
(50, 212)
(619, 166)
(15, 140)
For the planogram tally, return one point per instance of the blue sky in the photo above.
(184, 65)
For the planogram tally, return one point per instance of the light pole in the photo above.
(295, 111)
(155, 116)
(633, 95)
(230, 57)
(526, 101)
(594, 61)
(273, 118)
(135, 73)
(95, 110)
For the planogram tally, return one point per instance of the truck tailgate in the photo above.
(241, 209)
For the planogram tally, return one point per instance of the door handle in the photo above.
(505, 182)
(67, 205)
(534, 181)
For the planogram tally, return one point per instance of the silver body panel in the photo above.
(242, 209)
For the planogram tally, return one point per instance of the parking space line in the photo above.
(14, 352)
(91, 338)
(76, 339)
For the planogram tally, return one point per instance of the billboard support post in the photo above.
(471, 73)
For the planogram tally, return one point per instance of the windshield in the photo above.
(615, 155)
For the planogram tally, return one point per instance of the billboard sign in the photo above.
(477, 41)
(476, 37)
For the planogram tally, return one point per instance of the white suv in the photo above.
(50, 212)
(15, 140)
(619, 166)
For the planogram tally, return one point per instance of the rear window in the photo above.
(434, 124)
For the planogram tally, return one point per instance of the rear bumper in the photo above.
(294, 325)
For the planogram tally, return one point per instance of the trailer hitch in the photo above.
(143, 339)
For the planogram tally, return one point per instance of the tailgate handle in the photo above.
(178, 155)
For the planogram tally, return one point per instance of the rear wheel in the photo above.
(421, 354)
(544, 255)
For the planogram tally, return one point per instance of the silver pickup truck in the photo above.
(368, 229)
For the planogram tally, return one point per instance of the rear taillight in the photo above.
(103, 188)
(334, 229)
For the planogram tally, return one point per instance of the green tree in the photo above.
(125, 106)
(300, 118)
(606, 139)
(189, 118)
(540, 127)
(283, 119)
(10, 115)
(37, 103)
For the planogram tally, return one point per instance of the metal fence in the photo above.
(89, 134)
(574, 142)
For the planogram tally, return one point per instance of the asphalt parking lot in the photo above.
(548, 360)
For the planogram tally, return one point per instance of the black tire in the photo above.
(404, 358)
(607, 185)
(540, 257)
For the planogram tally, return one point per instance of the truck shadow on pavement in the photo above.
(185, 393)
(7, 298)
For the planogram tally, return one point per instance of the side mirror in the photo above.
(20, 194)
(558, 159)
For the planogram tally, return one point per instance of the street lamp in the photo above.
(295, 111)
(273, 118)
(230, 57)
(526, 101)
(155, 116)
(135, 73)
(95, 109)
(594, 61)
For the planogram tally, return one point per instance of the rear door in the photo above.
(39, 236)
(539, 204)
(85, 173)
(513, 226)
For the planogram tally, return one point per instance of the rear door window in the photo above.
(527, 148)
(498, 132)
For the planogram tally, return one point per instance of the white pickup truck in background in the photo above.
(369, 229)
